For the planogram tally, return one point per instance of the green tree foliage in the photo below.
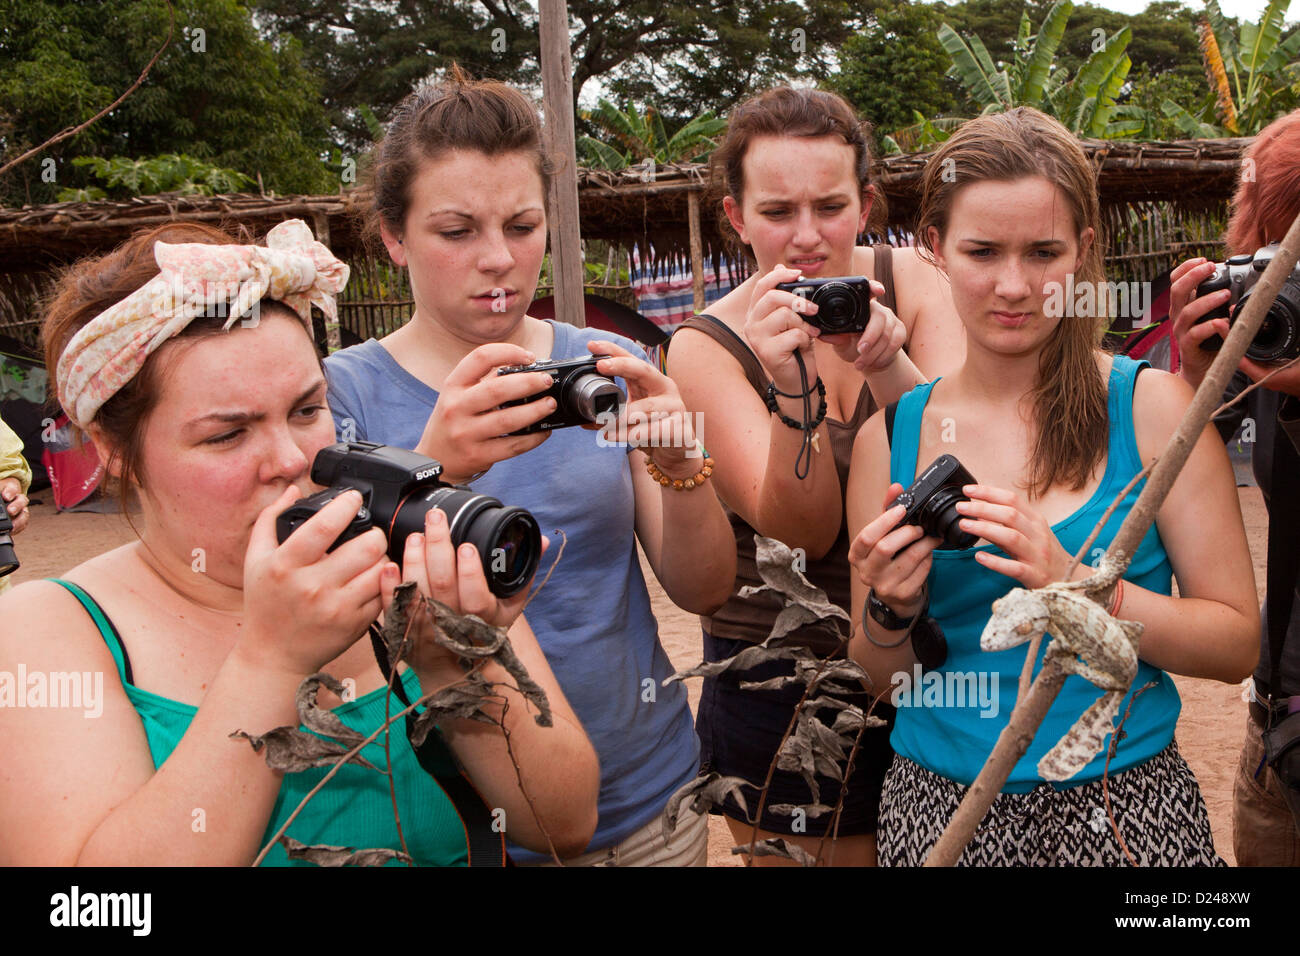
(1259, 65)
(122, 177)
(894, 68)
(1087, 103)
(219, 93)
(632, 135)
(685, 57)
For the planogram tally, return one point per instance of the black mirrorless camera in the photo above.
(932, 499)
(582, 395)
(1278, 337)
(400, 488)
(843, 302)
(8, 557)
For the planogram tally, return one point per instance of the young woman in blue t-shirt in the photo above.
(460, 202)
(1052, 429)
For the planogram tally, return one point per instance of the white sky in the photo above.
(1250, 10)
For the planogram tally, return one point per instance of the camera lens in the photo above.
(589, 395)
(837, 307)
(508, 540)
(1278, 336)
(939, 517)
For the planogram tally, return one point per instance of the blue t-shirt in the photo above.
(954, 741)
(593, 619)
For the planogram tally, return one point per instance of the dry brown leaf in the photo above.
(775, 846)
(291, 750)
(324, 855)
(316, 718)
(704, 792)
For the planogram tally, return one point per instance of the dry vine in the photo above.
(1032, 707)
(808, 747)
(332, 743)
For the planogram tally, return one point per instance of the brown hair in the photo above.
(1267, 199)
(1070, 415)
(787, 111)
(91, 286)
(459, 113)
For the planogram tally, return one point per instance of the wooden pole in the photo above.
(557, 106)
(697, 252)
(333, 341)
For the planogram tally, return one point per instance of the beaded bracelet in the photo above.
(682, 484)
(772, 406)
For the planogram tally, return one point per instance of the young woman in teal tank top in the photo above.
(1052, 429)
(206, 625)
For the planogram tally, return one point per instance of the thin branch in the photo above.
(388, 758)
(833, 830)
(349, 755)
(519, 776)
(1028, 713)
(1105, 771)
(74, 130)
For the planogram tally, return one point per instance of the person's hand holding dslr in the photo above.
(455, 577)
(16, 504)
(1186, 309)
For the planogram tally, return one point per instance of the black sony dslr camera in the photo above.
(932, 499)
(8, 557)
(400, 488)
(1278, 337)
(582, 395)
(843, 302)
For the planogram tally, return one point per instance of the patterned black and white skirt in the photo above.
(1157, 807)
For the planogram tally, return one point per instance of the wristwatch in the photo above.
(885, 616)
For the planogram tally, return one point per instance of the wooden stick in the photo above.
(697, 254)
(1028, 714)
(557, 100)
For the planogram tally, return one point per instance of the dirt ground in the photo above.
(1210, 730)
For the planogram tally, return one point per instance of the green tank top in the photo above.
(354, 809)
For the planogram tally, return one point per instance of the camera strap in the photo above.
(483, 846)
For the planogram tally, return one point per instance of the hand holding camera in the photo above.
(305, 601)
(1004, 518)
(453, 575)
(482, 417)
(655, 418)
(892, 557)
(779, 324)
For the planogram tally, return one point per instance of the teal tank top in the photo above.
(355, 808)
(951, 728)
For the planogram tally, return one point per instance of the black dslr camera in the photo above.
(8, 557)
(1278, 337)
(582, 395)
(932, 499)
(400, 488)
(843, 302)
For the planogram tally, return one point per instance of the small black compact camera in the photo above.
(843, 302)
(1278, 337)
(400, 488)
(582, 395)
(932, 499)
(8, 557)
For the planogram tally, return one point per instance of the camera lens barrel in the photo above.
(591, 395)
(508, 539)
(939, 517)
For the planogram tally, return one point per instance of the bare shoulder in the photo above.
(871, 443)
(44, 621)
(1160, 401)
